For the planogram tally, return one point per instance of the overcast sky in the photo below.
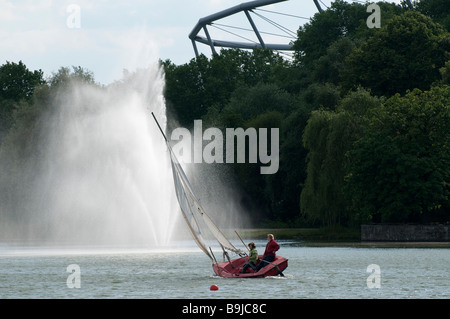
(113, 35)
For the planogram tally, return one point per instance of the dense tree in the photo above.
(319, 95)
(445, 73)
(327, 67)
(291, 175)
(404, 54)
(266, 106)
(17, 83)
(314, 38)
(341, 20)
(438, 10)
(194, 87)
(399, 169)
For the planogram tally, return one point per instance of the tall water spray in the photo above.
(103, 173)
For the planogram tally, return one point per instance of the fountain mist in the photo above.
(103, 176)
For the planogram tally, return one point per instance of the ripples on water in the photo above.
(325, 272)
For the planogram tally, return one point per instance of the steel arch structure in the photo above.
(246, 8)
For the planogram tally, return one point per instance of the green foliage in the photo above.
(328, 136)
(404, 54)
(399, 169)
(321, 95)
(438, 10)
(445, 73)
(292, 171)
(343, 20)
(314, 38)
(184, 89)
(65, 76)
(327, 67)
(17, 84)
(257, 185)
(194, 87)
(265, 105)
(260, 98)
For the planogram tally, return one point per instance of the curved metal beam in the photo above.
(243, 7)
(244, 45)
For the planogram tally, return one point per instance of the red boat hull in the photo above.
(233, 269)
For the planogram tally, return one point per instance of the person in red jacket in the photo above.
(269, 254)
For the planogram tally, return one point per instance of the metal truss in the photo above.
(246, 8)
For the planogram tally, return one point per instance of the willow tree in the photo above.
(328, 136)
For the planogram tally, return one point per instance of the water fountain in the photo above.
(104, 175)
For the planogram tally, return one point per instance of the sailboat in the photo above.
(198, 221)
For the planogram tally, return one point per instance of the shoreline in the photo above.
(315, 237)
(380, 244)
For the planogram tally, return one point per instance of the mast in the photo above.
(160, 129)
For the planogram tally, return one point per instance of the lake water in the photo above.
(183, 271)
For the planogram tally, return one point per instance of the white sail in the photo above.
(192, 211)
(186, 205)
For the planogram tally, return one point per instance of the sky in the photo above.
(109, 36)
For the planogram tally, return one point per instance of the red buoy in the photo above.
(214, 287)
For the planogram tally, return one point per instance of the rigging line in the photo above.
(284, 29)
(284, 14)
(235, 34)
(279, 26)
(364, 2)
(251, 30)
(279, 35)
(230, 26)
(323, 4)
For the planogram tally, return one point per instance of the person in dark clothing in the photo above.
(252, 258)
(269, 254)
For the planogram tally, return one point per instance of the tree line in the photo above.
(363, 115)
